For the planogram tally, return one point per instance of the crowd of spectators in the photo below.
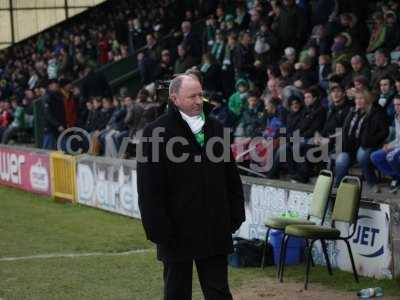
(308, 67)
(46, 65)
(272, 69)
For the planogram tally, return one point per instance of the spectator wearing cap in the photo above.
(237, 100)
(383, 68)
(364, 131)
(359, 67)
(291, 25)
(387, 159)
(185, 60)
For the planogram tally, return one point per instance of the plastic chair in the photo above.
(321, 193)
(346, 207)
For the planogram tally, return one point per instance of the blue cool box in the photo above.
(294, 250)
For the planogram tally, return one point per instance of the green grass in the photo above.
(137, 276)
(31, 225)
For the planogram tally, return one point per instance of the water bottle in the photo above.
(370, 292)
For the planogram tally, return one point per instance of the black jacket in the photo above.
(374, 130)
(139, 115)
(212, 78)
(243, 59)
(293, 120)
(103, 118)
(313, 120)
(189, 209)
(53, 112)
(335, 118)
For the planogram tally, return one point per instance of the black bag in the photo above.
(248, 253)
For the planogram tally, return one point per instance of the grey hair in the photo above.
(358, 58)
(176, 84)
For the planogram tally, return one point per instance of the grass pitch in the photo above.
(33, 225)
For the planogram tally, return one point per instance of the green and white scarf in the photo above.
(196, 124)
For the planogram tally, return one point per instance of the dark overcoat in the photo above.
(189, 209)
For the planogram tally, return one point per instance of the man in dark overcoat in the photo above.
(190, 193)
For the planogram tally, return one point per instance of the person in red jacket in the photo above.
(103, 48)
(70, 105)
(5, 116)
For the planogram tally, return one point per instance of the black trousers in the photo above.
(213, 277)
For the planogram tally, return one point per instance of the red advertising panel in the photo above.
(25, 169)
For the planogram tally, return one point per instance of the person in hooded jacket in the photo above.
(237, 100)
(292, 124)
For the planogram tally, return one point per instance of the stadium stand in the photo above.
(310, 67)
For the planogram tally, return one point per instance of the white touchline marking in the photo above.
(73, 255)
